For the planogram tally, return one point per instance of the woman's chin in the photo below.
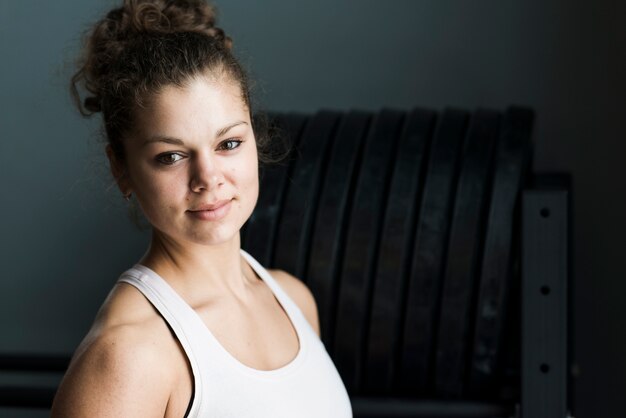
(217, 236)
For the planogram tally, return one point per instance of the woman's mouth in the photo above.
(211, 211)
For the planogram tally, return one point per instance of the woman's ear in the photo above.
(119, 172)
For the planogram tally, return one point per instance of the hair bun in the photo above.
(167, 16)
(112, 36)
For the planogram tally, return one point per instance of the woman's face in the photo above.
(192, 161)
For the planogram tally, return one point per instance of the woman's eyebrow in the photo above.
(227, 128)
(176, 141)
(160, 138)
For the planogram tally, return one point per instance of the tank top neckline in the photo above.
(279, 295)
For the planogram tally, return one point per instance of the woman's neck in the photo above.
(198, 272)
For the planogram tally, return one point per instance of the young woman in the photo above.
(197, 328)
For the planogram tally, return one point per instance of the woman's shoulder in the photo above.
(127, 325)
(298, 291)
(127, 360)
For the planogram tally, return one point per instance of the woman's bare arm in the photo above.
(119, 373)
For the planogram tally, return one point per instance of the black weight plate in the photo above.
(330, 222)
(395, 252)
(425, 277)
(512, 165)
(362, 245)
(259, 235)
(464, 251)
(293, 238)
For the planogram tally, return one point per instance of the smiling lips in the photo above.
(211, 212)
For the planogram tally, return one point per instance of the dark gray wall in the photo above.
(65, 235)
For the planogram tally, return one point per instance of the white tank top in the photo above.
(308, 386)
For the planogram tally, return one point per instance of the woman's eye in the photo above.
(230, 144)
(169, 158)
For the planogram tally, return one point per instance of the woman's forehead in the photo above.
(201, 103)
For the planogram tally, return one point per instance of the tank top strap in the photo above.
(179, 316)
(293, 311)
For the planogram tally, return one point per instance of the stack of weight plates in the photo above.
(404, 225)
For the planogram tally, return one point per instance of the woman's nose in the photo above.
(205, 173)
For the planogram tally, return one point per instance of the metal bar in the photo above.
(34, 362)
(20, 397)
(544, 302)
(392, 408)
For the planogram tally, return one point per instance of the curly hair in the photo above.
(141, 47)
